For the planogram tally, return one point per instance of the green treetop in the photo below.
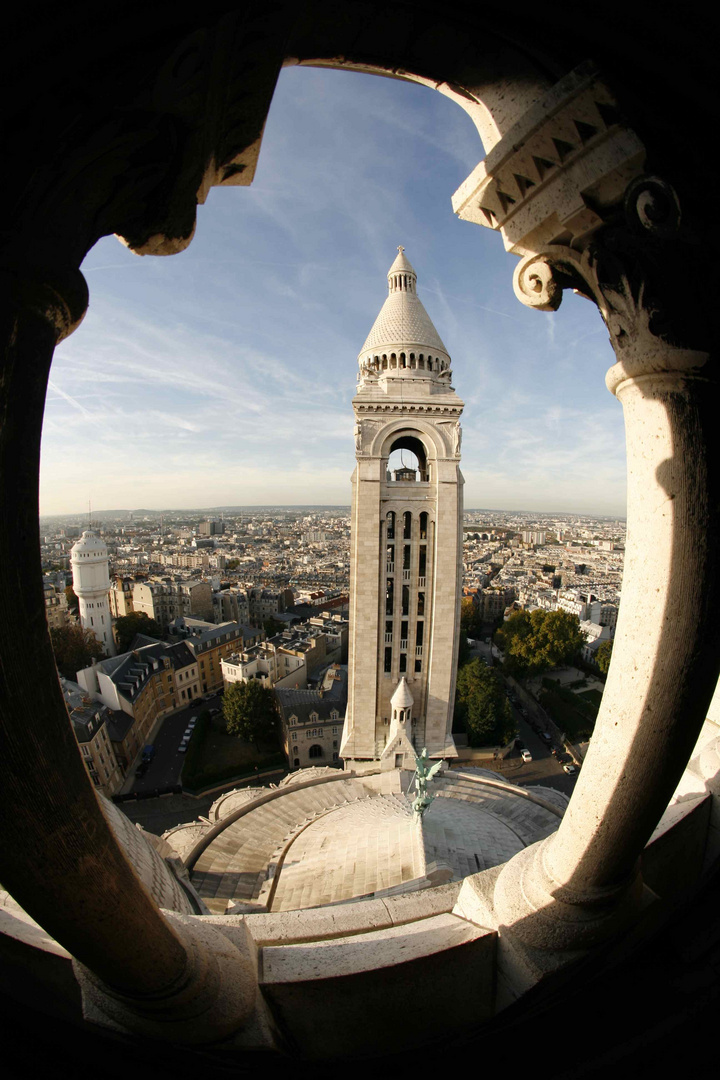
(137, 622)
(249, 711)
(75, 649)
(481, 706)
(534, 641)
(602, 656)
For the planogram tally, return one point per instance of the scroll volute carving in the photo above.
(645, 270)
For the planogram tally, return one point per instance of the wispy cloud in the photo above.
(227, 373)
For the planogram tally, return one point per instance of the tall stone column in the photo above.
(577, 887)
(60, 859)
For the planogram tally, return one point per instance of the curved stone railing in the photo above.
(212, 833)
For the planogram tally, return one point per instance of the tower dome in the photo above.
(403, 341)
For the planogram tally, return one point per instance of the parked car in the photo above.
(192, 722)
(526, 755)
(148, 752)
(570, 768)
(544, 735)
(182, 747)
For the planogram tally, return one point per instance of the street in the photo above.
(166, 766)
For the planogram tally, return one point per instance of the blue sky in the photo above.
(225, 374)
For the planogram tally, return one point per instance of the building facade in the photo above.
(312, 720)
(406, 545)
(91, 729)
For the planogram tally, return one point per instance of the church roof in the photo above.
(403, 322)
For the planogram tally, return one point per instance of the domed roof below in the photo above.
(90, 544)
(314, 843)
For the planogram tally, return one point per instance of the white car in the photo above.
(526, 755)
(570, 768)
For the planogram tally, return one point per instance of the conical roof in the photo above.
(403, 322)
(402, 698)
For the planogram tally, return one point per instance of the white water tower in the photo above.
(91, 582)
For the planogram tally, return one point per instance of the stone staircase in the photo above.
(234, 866)
(526, 819)
(371, 849)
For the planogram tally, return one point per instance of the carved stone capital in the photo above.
(645, 272)
(556, 174)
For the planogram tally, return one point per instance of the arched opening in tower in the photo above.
(407, 460)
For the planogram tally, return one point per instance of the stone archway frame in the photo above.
(563, 182)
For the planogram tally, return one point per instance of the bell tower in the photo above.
(406, 536)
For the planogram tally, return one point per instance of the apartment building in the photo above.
(90, 727)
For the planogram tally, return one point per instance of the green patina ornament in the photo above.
(423, 774)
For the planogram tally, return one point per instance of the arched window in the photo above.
(390, 525)
(408, 452)
(315, 751)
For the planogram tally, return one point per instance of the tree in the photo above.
(481, 706)
(137, 622)
(249, 711)
(273, 626)
(470, 619)
(75, 648)
(534, 641)
(602, 656)
(72, 601)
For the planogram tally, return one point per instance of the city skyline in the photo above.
(224, 375)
